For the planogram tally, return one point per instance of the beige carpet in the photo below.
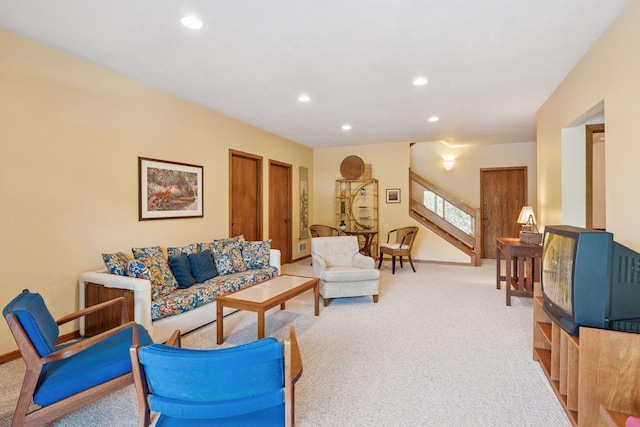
(440, 348)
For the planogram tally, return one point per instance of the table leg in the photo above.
(316, 298)
(282, 306)
(498, 254)
(219, 325)
(260, 324)
(508, 276)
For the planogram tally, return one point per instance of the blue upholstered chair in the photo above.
(63, 378)
(246, 385)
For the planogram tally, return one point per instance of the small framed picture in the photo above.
(393, 195)
(168, 189)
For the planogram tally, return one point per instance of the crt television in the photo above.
(589, 280)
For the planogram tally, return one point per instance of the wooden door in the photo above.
(245, 195)
(503, 193)
(280, 209)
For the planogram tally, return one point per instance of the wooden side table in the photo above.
(524, 260)
(368, 240)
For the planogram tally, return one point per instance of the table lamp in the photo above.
(529, 232)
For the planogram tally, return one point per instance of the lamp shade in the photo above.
(525, 214)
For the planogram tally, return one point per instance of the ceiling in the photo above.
(490, 63)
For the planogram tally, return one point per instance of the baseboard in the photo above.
(15, 355)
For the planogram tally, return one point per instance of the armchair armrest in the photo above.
(175, 340)
(363, 261)
(73, 349)
(319, 265)
(124, 318)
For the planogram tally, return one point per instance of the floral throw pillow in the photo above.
(256, 254)
(116, 263)
(162, 279)
(227, 255)
(187, 250)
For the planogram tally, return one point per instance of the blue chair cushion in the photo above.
(36, 320)
(181, 269)
(270, 417)
(231, 382)
(202, 266)
(96, 365)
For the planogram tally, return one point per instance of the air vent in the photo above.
(302, 247)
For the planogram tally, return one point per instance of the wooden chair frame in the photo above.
(292, 372)
(319, 230)
(404, 236)
(34, 365)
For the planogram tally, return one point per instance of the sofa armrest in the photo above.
(141, 295)
(274, 259)
(363, 261)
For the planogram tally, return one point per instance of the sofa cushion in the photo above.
(349, 274)
(182, 300)
(202, 266)
(256, 254)
(181, 269)
(116, 263)
(227, 254)
(91, 367)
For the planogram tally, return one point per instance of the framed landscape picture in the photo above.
(393, 195)
(168, 189)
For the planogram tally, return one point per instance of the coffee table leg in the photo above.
(316, 298)
(282, 306)
(219, 325)
(261, 324)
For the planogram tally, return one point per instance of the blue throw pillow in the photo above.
(202, 266)
(181, 269)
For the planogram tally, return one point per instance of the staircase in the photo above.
(448, 217)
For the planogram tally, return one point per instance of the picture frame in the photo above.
(169, 190)
(393, 195)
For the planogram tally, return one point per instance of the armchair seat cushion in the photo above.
(100, 363)
(394, 246)
(349, 274)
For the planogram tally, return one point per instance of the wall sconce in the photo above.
(448, 164)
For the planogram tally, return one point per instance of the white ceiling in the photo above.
(490, 63)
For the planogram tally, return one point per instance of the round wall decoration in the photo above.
(352, 167)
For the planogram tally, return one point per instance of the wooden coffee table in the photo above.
(264, 296)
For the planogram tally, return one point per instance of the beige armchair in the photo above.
(342, 269)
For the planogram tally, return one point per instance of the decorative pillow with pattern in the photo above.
(205, 246)
(162, 279)
(187, 250)
(154, 251)
(138, 270)
(116, 263)
(227, 255)
(256, 254)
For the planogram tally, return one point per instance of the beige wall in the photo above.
(463, 180)
(390, 166)
(70, 138)
(609, 72)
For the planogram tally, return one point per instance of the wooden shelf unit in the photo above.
(357, 207)
(602, 367)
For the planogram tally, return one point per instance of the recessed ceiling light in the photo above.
(420, 81)
(304, 98)
(346, 127)
(192, 22)
(433, 118)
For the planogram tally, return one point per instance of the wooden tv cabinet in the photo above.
(602, 367)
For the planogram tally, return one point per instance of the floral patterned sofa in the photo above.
(173, 288)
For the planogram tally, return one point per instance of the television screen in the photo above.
(557, 274)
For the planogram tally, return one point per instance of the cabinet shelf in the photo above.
(592, 376)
